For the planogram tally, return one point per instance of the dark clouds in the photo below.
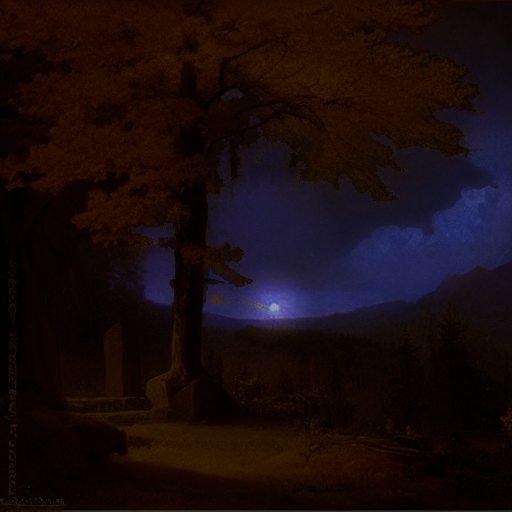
(317, 251)
(297, 227)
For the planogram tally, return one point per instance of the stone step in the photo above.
(103, 404)
(122, 418)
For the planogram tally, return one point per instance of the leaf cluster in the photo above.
(138, 91)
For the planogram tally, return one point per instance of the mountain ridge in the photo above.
(482, 296)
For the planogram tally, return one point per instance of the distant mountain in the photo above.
(480, 293)
(214, 321)
(483, 298)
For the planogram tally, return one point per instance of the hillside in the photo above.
(483, 297)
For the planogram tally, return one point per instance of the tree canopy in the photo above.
(137, 96)
(137, 99)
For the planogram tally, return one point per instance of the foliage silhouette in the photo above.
(141, 112)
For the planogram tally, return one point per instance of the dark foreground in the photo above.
(255, 465)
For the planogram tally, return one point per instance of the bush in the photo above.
(248, 392)
(313, 422)
(253, 398)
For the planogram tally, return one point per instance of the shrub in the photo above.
(313, 422)
(248, 392)
(252, 396)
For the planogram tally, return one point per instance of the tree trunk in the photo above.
(187, 391)
(189, 285)
(207, 397)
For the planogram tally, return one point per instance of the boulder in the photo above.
(160, 390)
(203, 399)
(99, 439)
(53, 444)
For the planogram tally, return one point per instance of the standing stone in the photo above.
(122, 359)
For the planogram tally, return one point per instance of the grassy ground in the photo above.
(246, 464)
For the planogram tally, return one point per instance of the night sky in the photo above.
(315, 251)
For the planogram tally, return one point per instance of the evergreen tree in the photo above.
(405, 394)
(453, 383)
(410, 371)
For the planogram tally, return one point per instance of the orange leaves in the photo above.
(108, 214)
(225, 253)
(316, 74)
(216, 258)
(230, 275)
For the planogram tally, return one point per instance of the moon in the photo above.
(274, 307)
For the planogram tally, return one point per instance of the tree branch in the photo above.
(224, 253)
(227, 60)
(215, 258)
(227, 273)
(255, 126)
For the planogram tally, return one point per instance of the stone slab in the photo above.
(108, 404)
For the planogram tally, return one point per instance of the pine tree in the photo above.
(405, 384)
(453, 384)
(410, 372)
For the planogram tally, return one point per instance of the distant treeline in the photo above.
(436, 387)
(435, 380)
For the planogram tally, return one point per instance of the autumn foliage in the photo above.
(135, 95)
(143, 96)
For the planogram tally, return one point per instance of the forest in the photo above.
(121, 117)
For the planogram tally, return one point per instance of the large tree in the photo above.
(146, 94)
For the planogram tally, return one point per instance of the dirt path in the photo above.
(247, 466)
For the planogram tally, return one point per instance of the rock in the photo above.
(160, 390)
(53, 445)
(104, 404)
(203, 399)
(99, 439)
(95, 438)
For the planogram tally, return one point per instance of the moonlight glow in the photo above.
(274, 308)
